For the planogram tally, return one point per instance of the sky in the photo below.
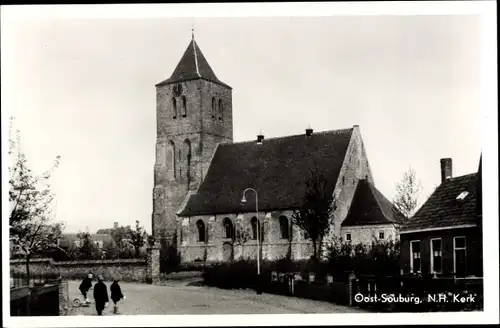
(84, 89)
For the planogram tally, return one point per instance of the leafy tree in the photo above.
(137, 237)
(87, 250)
(408, 190)
(315, 217)
(31, 227)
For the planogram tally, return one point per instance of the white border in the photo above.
(487, 9)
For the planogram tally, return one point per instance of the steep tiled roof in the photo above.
(277, 169)
(369, 206)
(68, 238)
(192, 65)
(443, 209)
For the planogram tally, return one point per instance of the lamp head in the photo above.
(243, 199)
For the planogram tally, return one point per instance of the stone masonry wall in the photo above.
(355, 167)
(127, 270)
(273, 246)
(201, 128)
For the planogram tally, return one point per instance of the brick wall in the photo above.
(473, 250)
(127, 270)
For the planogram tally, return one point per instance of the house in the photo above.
(71, 240)
(444, 237)
(200, 174)
(371, 217)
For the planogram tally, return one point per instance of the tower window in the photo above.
(213, 107)
(220, 109)
(174, 108)
(187, 160)
(171, 157)
(184, 106)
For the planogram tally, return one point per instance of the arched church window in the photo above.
(174, 108)
(214, 109)
(228, 228)
(254, 223)
(171, 158)
(220, 109)
(187, 160)
(184, 106)
(201, 231)
(284, 227)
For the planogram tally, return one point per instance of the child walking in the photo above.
(116, 294)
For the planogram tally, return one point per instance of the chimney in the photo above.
(260, 138)
(446, 169)
(309, 131)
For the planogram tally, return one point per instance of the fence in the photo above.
(21, 279)
(37, 295)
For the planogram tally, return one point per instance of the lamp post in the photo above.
(244, 200)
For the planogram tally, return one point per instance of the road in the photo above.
(143, 299)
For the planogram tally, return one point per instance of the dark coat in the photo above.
(100, 293)
(116, 292)
(85, 285)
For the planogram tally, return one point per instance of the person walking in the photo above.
(116, 294)
(85, 286)
(100, 295)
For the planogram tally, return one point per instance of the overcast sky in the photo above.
(84, 89)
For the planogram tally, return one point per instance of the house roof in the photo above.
(277, 168)
(444, 208)
(68, 238)
(369, 206)
(193, 65)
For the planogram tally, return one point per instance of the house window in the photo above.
(459, 256)
(228, 228)
(381, 235)
(174, 108)
(284, 228)
(436, 255)
(415, 263)
(201, 231)
(184, 106)
(348, 236)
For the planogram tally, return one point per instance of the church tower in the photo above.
(193, 115)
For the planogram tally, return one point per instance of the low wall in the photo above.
(127, 269)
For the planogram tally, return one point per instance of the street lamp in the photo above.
(244, 200)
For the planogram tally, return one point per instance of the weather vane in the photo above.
(192, 29)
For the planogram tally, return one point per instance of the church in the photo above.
(214, 198)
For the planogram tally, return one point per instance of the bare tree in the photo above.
(315, 217)
(30, 226)
(408, 190)
(241, 236)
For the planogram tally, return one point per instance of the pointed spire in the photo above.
(192, 65)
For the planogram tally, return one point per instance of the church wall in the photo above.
(273, 246)
(367, 233)
(355, 167)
